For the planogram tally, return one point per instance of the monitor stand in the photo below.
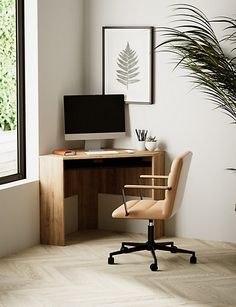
(92, 145)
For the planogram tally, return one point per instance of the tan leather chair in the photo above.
(150, 209)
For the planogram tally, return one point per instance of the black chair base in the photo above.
(151, 246)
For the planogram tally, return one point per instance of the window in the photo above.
(12, 91)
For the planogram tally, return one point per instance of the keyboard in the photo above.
(101, 152)
(108, 152)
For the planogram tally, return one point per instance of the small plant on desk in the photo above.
(151, 139)
(151, 143)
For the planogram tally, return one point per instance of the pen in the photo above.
(141, 134)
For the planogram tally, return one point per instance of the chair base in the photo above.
(151, 246)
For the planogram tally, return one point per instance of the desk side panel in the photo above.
(158, 168)
(52, 200)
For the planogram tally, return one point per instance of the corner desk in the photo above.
(86, 176)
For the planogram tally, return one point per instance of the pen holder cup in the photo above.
(141, 146)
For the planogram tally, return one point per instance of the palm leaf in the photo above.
(197, 50)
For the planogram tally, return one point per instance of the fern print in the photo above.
(128, 69)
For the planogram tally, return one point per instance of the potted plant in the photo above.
(151, 143)
(197, 49)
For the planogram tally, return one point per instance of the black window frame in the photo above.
(20, 87)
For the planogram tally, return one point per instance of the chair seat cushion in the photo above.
(147, 209)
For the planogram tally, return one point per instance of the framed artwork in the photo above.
(128, 63)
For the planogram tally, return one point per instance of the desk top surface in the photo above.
(122, 153)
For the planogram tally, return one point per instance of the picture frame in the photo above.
(128, 63)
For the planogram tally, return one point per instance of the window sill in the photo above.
(16, 183)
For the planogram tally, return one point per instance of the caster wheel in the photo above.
(153, 267)
(123, 249)
(110, 260)
(193, 259)
(174, 249)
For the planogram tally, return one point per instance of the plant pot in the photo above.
(151, 146)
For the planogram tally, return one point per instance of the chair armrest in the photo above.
(133, 186)
(154, 176)
(156, 187)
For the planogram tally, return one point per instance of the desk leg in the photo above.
(158, 167)
(51, 201)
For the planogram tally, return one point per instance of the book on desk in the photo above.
(64, 152)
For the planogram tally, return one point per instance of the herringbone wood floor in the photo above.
(78, 275)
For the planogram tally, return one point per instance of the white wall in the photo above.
(19, 218)
(180, 118)
(60, 73)
(60, 65)
(19, 201)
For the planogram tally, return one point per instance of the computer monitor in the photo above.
(94, 117)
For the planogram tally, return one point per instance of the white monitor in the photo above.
(93, 117)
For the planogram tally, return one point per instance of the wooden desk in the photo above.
(86, 176)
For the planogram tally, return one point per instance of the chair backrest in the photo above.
(177, 181)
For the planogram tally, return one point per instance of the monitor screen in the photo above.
(88, 117)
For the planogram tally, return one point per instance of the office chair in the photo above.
(151, 210)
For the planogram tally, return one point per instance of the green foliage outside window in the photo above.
(8, 116)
